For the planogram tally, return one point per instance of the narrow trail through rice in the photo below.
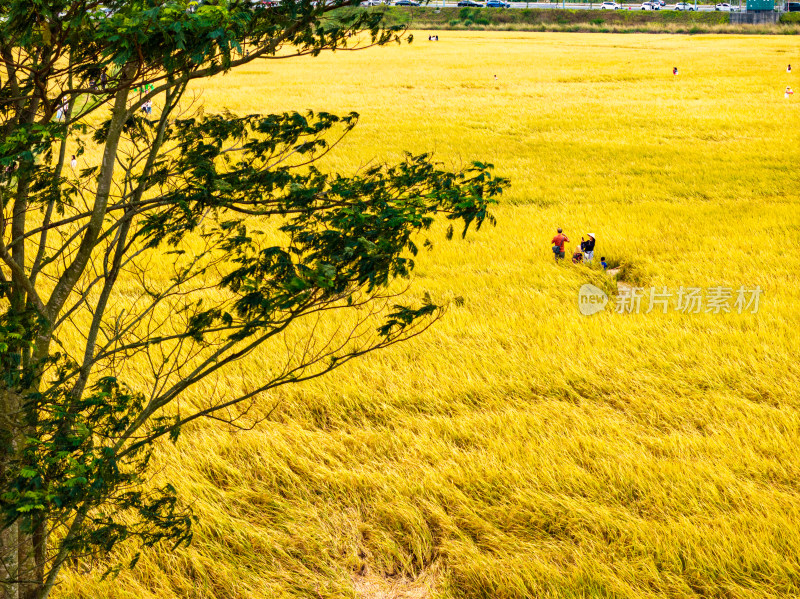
(621, 286)
(373, 586)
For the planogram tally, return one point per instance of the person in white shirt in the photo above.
(588, 248)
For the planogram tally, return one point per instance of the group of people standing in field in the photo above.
(583, 253)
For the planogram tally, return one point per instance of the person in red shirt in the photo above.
(558, 244)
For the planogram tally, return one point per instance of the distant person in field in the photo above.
(588, 248)
(603, 262)
(674, 70)
(61, 112)
(788, 93)
(558, 243)
(577, 256)
(74, 162)
(788, 68)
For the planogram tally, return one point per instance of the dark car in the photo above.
(497, 4)
(471, 3)
(406, 3)
(793, 7)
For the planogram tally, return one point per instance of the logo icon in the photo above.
(591, 299)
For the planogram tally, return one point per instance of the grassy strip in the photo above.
(602, 21)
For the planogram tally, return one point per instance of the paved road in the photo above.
(593, 6)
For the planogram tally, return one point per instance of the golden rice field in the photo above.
(520, 449)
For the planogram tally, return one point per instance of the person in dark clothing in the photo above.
(588, 247)
(558, 244)
(603, 262)
(103, 78)
(94, 77)
(577, 256)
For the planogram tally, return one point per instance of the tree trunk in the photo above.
(27, 584)
(9, 589)
(32, 560)
(9, 536)
(8, 549)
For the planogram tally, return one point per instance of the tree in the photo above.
(190, 242)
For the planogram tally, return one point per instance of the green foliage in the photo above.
(70, 468)
(77, 441)
(790, 17)
(348, 233)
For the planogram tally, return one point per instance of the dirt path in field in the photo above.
(621, 286)
(373, 586)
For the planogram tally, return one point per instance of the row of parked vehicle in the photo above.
(488, 4)
(610, 5)
(472, 3)
(659, 4)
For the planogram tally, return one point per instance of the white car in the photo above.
(684, 6)
(610, 6)
(372, 3)
(725, 7)
(651, 6)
